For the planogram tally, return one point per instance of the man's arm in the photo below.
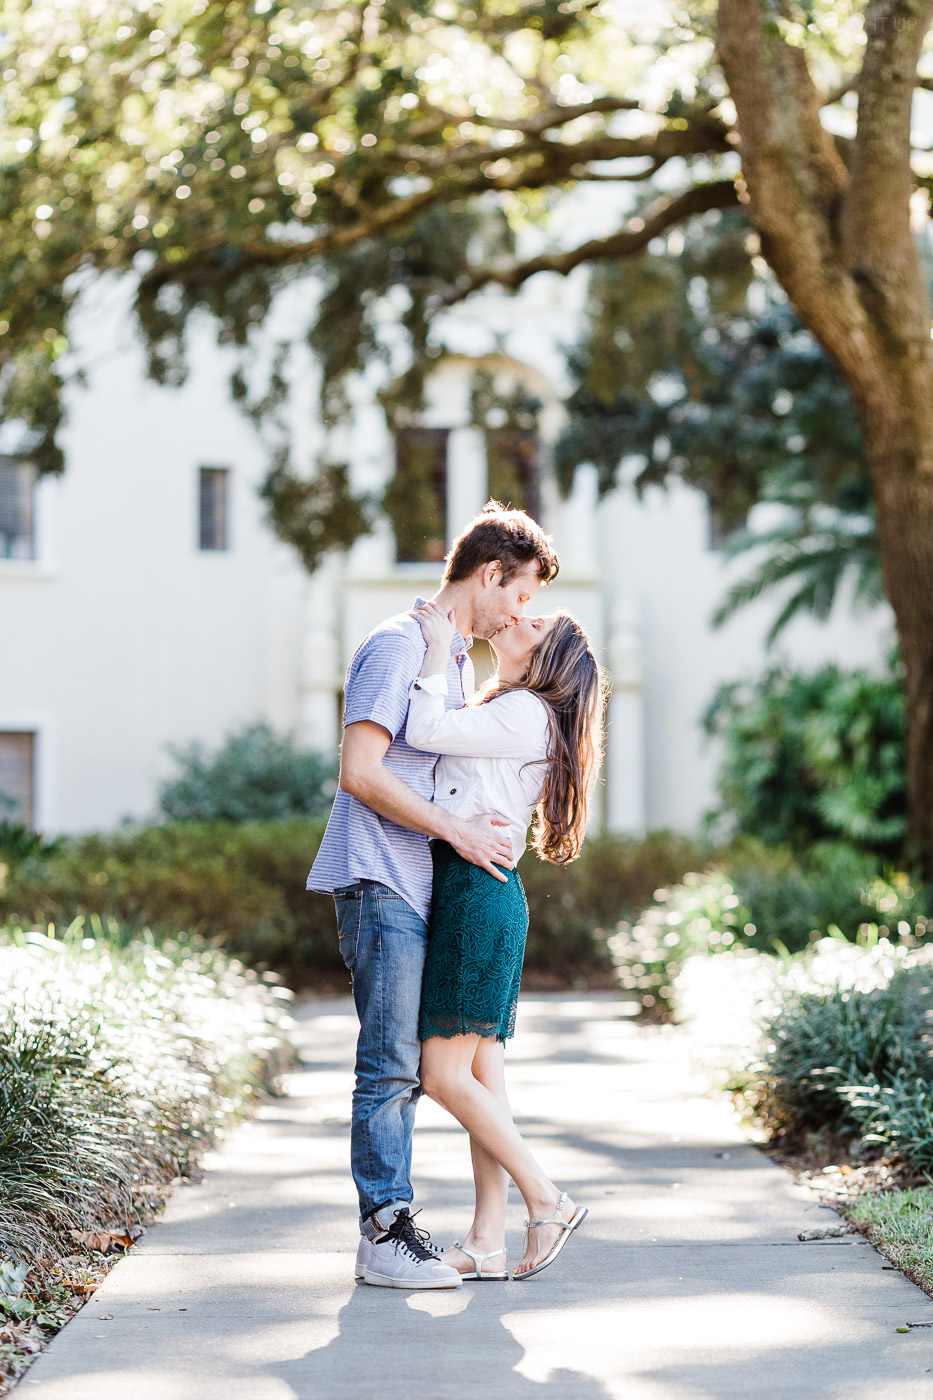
(481, 840)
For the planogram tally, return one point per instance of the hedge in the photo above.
(242, 885)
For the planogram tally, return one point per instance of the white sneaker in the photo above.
(399, 1259)
(362, 1256)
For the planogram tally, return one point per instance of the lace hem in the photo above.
(448, 1031)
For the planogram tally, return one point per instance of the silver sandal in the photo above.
(478, 1260)
(567, 1228)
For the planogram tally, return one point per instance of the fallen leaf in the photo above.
(108, 1241)
(105, 1317)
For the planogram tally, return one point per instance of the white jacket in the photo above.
(492, 756)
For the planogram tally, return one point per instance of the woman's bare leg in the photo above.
(491, 1182)
(448, 1077)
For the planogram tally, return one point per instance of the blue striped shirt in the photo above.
(359, 844)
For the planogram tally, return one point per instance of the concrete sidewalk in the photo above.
(686, 1281)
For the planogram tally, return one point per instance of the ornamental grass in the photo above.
(120, 1061)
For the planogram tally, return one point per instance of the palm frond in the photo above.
(817, 558)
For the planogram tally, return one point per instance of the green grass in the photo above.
(900, 1224)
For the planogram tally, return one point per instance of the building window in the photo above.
(512, 456)
(722, 531)
(17, 526)
(416, 498)
(214, 508)
(17, 777)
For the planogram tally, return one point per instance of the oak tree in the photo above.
(218, 150)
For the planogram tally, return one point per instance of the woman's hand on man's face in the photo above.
(437, 626)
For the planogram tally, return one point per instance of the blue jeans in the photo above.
(383, 942)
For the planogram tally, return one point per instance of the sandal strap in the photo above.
(554, 1219)
(478, 1259)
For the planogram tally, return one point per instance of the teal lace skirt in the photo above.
(475, 950)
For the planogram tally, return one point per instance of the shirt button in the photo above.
(452, 791)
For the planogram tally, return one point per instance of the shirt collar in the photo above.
(459, 645)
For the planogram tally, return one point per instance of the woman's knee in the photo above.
(436, 1082)
(442, 1079)
(489, 1067)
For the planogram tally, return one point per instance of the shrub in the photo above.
(832, 1053)
(763, 898)
(241, 886)
(256, 775)
(793, 900)
(703, 914)
(833, 1040)
(573, 908)
(18, 842)
(810, 758)
(118, 1063)
(115, 1057)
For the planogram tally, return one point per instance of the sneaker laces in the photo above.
(405, 1234)
(425, 1238)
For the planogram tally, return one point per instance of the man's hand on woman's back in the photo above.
(484, 841)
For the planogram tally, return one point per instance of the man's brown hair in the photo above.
(510, 536)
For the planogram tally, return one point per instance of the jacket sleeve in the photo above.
(514, 725)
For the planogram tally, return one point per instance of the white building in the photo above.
(144, 602)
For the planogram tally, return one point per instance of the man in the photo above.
(376, 861)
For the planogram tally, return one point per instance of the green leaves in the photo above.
(316, 513)
(254, 775)
(217, 151)
(856, 1060)
(811, 758)
(808, 561)
(116, 1066)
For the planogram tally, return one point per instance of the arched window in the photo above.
(512, 454)
(416, 498)
(507, 412)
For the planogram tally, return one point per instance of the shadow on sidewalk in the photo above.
(440, 1346)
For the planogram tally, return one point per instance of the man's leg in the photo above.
(383, 942)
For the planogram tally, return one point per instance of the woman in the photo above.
(528, 743)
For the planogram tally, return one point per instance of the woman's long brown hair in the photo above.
(562, 670)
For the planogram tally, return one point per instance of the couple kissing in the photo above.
(439, 784)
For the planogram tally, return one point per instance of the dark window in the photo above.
(416, 499)
(214, 508)
(512, 457)
(17, 777)
(17, 483)
(723, 530)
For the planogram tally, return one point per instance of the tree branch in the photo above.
(535, 163)
(719, 194)
(555, 115)
(876, 219)
(267, 254)
(708, 138)
(836, 94)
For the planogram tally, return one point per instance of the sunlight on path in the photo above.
(687, 1281)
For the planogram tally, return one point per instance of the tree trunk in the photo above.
(840, 243)
(902, 484)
